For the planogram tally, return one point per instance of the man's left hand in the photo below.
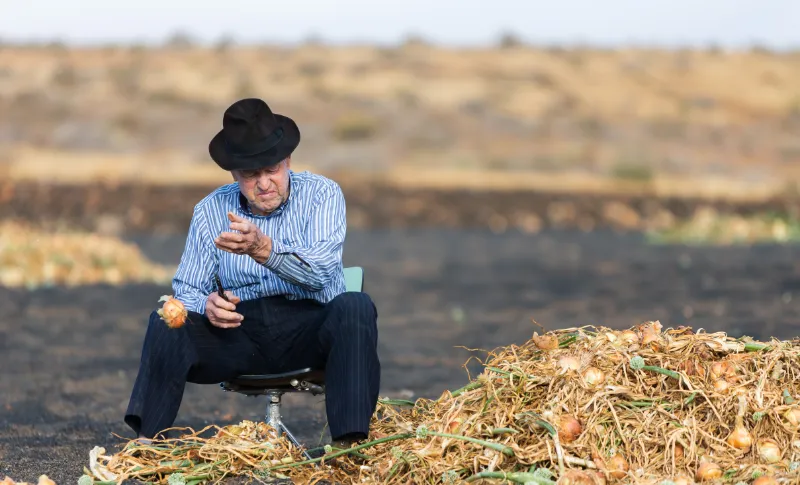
(249, 240)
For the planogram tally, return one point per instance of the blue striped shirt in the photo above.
(307, 232)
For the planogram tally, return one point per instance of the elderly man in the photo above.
(275, 239)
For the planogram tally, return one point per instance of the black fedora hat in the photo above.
(253, 137)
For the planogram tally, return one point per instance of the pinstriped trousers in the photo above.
(276, 335)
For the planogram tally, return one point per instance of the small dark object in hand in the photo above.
(220, 291)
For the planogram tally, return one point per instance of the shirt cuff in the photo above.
(281, 256)
(276, 256)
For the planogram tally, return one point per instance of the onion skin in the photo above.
(682, 481)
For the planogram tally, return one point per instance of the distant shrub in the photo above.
(631, 171)
(355, 127)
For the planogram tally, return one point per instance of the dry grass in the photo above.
(611, 115)
(582, 405)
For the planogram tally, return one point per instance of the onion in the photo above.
(569, 363)
(721, 385)
(764, 480)
(172, 311)
(617, 466)
(569, 428)
(708, 471)
(651, 332)
(454, 424)
(678, 455)
(629, 337)
(682, 480)
(740, 438)
(594, 376)
(769, 450)
(545, 342)
(691, 368)
(792, 416)
(576, 477)
(722, 368)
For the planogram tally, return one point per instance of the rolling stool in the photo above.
(301, 380)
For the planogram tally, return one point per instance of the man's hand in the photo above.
(222, 313)
(250, 240)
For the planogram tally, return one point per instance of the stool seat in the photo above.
(299, 380)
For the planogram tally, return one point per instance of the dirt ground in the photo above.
(69, 356)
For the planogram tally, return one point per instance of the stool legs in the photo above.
(274, 418)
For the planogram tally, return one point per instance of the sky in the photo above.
(726, 23)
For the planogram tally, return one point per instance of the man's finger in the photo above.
(224, 305)
(224, 316)
(231, 237)
(242, 227)
(224, 325)
(234, 218)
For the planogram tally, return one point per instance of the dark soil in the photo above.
(69, 356)
(139, 208)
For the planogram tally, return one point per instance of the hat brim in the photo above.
(284, 148)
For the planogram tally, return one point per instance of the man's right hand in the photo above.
(222, 313)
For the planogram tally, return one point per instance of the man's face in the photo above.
(265, 189)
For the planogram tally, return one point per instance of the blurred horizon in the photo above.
(612, 24)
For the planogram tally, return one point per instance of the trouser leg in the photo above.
(341, 337)
(196, 352)
(349, 339)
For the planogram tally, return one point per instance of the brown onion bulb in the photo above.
(594, 377)
(722, 368)
(792, 416)
(172, 311)
(454, 424)
(617, 466)
(678, 455)
(568, 363)
(629, 337)
(765, 480)
(545, 342)
(740, 438)
(651, 332)
(721, 385)
(708, 471)
(576, 477)
(569, 428)
(769, 450)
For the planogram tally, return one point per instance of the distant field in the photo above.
(706, 121)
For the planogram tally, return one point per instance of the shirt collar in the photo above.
(244, 207)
